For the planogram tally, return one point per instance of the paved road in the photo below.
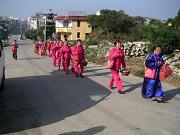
(39, 100)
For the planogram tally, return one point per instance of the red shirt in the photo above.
(78, 52)
(14, 48)
(118, 56)
(66, 51)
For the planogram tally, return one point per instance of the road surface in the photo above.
(39, 100)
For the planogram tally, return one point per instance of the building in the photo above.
(37, 20)
(8, 25)
(32, 23)
(72, 27)
(98, 13)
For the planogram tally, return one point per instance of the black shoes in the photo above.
(79, 76)
(121, 92)
(160, 100)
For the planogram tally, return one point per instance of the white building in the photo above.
(32, 23)
(98, 13)
(37, 20)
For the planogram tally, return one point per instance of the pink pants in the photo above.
(66, 64)
(54, 59)
(49, 52)
(77, 68)
(115, 78)
(59, 62)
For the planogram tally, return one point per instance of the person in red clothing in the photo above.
(53, 52)
(116, 54)
(14, 50)
(36, 47)
(59, 53)
(78, 58)
(66, 56)
(49, 48)
(43, 49)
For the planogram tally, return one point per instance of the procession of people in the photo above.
(62, 54)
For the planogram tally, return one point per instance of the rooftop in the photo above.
(70, 18)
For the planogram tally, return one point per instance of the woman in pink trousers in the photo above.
(53, 53)
(59, 53)
(78, 58)
(66, 56)
(117, 57)
(49, 48)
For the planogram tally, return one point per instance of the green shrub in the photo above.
(177, 65)
(139, 73)
(91, 42)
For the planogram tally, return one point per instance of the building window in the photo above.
(65, 24)
(78, 23)
(78, 34)
(65, 36)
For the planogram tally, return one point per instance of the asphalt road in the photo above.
(39, 100)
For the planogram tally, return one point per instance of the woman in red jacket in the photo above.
(59, 53)
(66, 56)
(36, 47)
(43, 49)
(53, 53)
(14, 50)
(117, 57)
(78, 59)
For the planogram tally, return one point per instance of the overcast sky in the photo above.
(160, 9)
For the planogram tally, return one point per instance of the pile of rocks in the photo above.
(174, 60)
(135, 49)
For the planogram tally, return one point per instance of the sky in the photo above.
(159, 9)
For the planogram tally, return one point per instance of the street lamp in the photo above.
(45, 28)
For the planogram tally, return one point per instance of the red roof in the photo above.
(70, 18)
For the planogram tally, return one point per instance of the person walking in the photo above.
(59, 53)
(152, 85)
(117, 59)
(14, 50)
(78, 59)
(66, 56)
(53, 53)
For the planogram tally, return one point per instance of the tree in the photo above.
(112, 23)
(91, 19)
(40, 33)
(140, 20)
(135, 33)
(31, 34)
(176, 22)
(164, 36)
(50, 25)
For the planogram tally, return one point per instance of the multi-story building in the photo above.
(37, 20)
(32, 23)
(5, 22)
(9, 25)
(72, 27)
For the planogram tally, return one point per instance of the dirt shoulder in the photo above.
(136, 66)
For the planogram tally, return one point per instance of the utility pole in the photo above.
(45, 28)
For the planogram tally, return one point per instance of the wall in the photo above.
(83, 29)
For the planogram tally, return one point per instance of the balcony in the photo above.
(64, 29)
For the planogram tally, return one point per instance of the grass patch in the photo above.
(139, 73)
(135, 65)
(173, 80)
(177, 65)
